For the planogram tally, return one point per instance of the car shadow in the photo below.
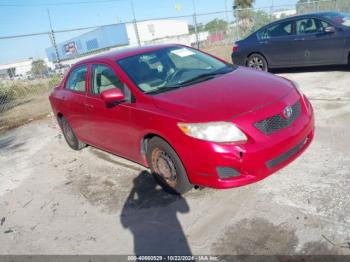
(341, 68)
(8, 143)
(150, 214)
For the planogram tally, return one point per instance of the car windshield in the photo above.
(171, 68)
(339, 19)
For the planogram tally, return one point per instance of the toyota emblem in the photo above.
(287, 112)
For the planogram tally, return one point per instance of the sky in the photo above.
(31, 16)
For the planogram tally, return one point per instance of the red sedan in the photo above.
(193, 119)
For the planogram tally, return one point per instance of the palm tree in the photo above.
(242, 4)
(243, 14)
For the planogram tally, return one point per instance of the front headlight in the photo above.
(221, 132)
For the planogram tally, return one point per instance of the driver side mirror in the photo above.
(113, 96)
(330, 30)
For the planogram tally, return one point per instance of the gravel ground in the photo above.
(58, 201)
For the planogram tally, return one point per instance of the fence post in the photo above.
(137, 33)
(196, 29)
(135, 23)
(236, 21)
(53, 42)
(335, 5)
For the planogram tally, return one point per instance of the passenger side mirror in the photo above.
(113, 96)
(330, 30)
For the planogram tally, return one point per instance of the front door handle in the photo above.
(299, 39)
(89, 106)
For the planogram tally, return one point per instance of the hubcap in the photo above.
(257, 63)
(164, 166)
(68, 133)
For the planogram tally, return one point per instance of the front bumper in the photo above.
(261, 156)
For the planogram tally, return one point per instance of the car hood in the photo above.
(224, 97)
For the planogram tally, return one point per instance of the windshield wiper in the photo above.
(162, 89)
(199, 78)
(205, 76)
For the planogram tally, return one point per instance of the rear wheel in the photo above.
(257, 62)
(167, 167)
(70, 136)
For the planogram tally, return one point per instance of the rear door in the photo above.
(314, 46)
(73, 96)
(274, 42)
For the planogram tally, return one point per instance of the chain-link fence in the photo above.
(25, 85)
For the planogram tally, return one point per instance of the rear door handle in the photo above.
(299, 39)
(263, 42)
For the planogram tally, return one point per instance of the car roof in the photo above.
(318, 14)
(292, 18)
(126, 52)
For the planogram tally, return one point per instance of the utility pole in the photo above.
(195, 22)
(135, 23)
(272, 7)
(53, 40)
(226, 13)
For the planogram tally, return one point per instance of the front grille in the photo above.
(280, 159)
(277, 122)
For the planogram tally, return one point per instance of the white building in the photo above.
(151, 30)
(21, 68)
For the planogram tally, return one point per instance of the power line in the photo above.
(60, 3)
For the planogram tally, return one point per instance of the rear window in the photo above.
(278, 30)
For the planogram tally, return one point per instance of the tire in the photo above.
(257, 62)
(70, 136)
(167, 167)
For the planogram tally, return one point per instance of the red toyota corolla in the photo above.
(193, 119)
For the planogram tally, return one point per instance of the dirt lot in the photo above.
(57, 201)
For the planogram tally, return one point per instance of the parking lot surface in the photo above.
(58, 201)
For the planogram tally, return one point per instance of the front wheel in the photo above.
(167, 167)
(257, 62)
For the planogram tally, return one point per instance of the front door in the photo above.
(109, 127)
(316, 47)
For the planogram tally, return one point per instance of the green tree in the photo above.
(261, 18)
(200, 27)
(39, 67)
(216, 25)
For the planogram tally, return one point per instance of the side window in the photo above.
(281, 29)
(322, 25)
(77, 79)
(306, 26)
(103, 78)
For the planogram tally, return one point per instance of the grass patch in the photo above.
(22, 101)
